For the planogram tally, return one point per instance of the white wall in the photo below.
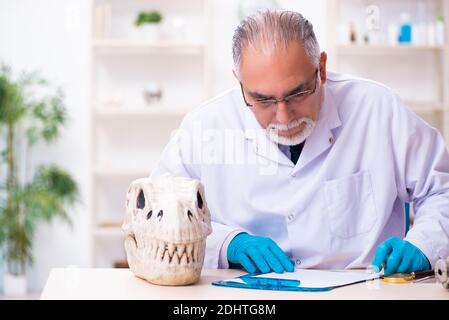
(53, 36)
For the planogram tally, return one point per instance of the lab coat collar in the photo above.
(319, 141)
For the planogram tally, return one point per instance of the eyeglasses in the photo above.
(292, 100)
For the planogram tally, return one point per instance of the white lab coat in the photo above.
(367, 155)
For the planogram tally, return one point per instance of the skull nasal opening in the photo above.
(189, 215)
(160, 214)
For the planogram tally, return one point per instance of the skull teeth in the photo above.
(171, 249)
(175, 259)
(173, 253)
(160, 253)
(184, 259)
(166, 259)
(190, 250)
(195, 252)
(180, 249)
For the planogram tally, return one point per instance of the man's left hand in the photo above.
(399, 256)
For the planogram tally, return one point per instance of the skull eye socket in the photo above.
(199, 200)
(140, 200)
(160, 214)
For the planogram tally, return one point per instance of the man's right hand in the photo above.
(254, 252)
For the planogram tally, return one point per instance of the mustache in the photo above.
(294, 124)
(273, 131)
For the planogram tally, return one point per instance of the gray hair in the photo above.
(275, 28)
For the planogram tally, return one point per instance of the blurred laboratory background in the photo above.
(128, 71)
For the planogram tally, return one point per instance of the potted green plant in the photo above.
(149, 22)
(30, 112)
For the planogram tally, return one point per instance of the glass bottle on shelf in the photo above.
(352, 34)
(405, 35)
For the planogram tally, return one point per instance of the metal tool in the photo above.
(408, 277)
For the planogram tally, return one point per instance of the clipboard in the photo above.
(248, 281)
(304, 280)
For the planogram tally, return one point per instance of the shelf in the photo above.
(149, 111)
(106, 47)
(422, 107)
(117, 173)
(34, 295)
(122, 62)
(108, 230)
(386, 49)
(409, 64)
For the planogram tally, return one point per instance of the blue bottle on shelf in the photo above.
(405, 35)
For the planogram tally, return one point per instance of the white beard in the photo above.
(273, 129)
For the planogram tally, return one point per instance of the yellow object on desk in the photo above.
(407, 277)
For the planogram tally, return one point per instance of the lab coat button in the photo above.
(290, 217)
(331, 139)
(298, 262)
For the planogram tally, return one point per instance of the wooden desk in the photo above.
(79, 283)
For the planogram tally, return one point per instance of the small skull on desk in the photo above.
(166, 225)
(442, 272)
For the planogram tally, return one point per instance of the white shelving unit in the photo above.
(128, 132)
(418, 72)
(111, 47)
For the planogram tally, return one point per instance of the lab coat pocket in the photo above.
(350, 205)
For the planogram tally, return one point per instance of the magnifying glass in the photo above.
(408, 277)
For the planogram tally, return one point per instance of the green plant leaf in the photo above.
(57, 181)
(32, 135)
(27, 79)
(148, 17)
(12, 107)
(13, 234)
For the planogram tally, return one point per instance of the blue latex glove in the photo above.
(254, 252)
(399, 256)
